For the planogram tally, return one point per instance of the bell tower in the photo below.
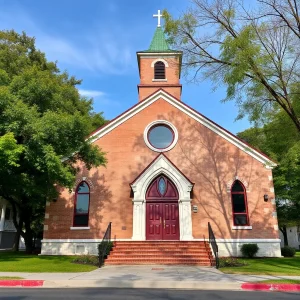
(159, 67)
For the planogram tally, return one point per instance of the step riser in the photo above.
(162, 249)
(158, 263)
(146, 263)
(159, 256)
(158, 243)
(161, 253)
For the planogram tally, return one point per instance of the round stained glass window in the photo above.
(160, 136)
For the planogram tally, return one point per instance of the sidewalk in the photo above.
(169, 277)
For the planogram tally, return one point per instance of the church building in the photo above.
(170, 172)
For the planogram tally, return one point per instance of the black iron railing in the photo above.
(105, 246)
(213, 243)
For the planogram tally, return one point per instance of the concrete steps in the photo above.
(161, 253)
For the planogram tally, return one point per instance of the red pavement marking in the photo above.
(22, 283)
(284, 287)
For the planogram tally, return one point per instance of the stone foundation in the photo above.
(267, 248)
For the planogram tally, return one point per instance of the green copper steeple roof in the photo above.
(159, 42)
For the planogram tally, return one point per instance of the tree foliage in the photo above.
(253, 50)
(44, 123)
(280, 140)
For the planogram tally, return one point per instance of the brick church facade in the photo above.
(170, 171)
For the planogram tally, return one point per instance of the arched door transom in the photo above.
(162, 188)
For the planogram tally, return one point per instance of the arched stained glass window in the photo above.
(239, 204)
(159, 70)
(82, 203)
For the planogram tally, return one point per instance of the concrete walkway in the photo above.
(180, 277)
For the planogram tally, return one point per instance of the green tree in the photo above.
(44, 123)
(253, 50)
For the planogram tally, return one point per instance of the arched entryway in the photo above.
(162, 211)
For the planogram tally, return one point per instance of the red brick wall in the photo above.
(204, 157)
(147, 86)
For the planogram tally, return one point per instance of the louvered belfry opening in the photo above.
(159, 70)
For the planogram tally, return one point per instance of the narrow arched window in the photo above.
(159, 70)
(82, 204)
(239, 204)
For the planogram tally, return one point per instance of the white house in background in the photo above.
(7, 228)
(293, 235)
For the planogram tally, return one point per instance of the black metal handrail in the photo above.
(105, 245)
(213, 243)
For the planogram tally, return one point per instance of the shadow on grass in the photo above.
(268, 266)
(22, 262)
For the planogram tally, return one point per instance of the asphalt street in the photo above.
(138, 294)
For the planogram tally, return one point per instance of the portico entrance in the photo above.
(162, 212)
(162, 203)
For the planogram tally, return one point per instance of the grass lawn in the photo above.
(21, 262)
(280, 281)
(268, 266)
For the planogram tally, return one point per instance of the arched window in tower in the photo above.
(82, 205)
(159, 70)
(239, 204)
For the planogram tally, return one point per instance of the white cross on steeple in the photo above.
(158, 16)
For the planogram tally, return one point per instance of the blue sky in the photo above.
(97, 40)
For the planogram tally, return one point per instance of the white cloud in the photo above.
(103, 52)
(100, 98)
(91, 93)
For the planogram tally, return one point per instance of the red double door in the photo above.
(162, 221)
(162, 213)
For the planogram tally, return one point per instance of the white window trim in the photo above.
(241, 227)
(160, 80)
(79, 228)
(164, 122)
(159, 59)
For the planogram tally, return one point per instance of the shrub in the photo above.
(231, 262)
(105, 246)
(249, 250)
(86, 260)
(287, 251)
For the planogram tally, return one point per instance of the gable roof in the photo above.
(161, 94)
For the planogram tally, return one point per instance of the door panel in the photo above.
(154, 221)
(171, 221)
(162, 221)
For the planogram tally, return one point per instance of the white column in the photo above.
(2, 220)
(139, 220)
(185, 220)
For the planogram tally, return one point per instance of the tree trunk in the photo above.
(284, 232)
(17, 236)
(28, 236)
(18, 222)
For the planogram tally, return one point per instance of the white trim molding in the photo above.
(163, 122)
(160, 80)
(161, 94)
(139, 187)
(159, 59)
(79, 228)
(241, 227)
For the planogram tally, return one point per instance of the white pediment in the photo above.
(161, 165)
